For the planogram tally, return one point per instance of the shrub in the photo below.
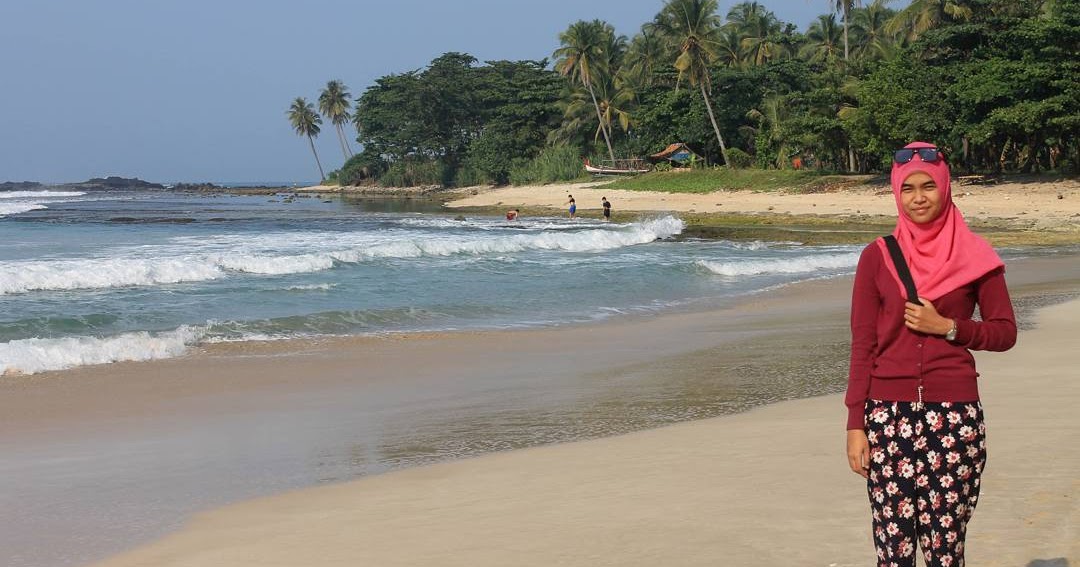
(739, 158)
(412, 172)
(361, 167)
(555, 163)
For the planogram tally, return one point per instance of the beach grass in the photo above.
(727, 179)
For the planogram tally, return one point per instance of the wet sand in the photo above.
(99, 459)
(766, 487)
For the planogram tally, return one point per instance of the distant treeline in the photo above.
(995, 83)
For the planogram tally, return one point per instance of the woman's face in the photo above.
(920, 198)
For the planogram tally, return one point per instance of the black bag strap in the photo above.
(902, 269)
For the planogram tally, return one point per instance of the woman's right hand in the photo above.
(858, 452)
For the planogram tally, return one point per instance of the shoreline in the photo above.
(682, 494)
(470, 393)
(1009, 213)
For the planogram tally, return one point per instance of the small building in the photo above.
(678, 153)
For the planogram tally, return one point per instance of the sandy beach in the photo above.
(196, 460)
(133, 443)
(766, 487)
(1036, 205)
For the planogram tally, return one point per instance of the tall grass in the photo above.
(555, 163)
(727, 179)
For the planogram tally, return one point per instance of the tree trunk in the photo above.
(600, 117)
(845, 31)
(850, 159)
(966, 145)
(344, 141)
(341, 140)
(317, 162)
(719, 138)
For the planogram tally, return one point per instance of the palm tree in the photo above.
(729, 50)
(582, 56)
(306, 122)
(334, 104)
(616, 97)
(695, 28)
(922, 15)
(643, 55)
(823, 40)
(869, 25)
(844, 7)
(770, 117)
(759, 29)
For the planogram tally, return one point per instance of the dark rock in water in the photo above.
(21, 186)
(198, 187)
(113, 183)
(460, 218)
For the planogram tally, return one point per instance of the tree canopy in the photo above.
(995, 83)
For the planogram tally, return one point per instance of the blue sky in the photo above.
(196, 90)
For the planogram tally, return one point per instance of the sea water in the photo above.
(100, 277)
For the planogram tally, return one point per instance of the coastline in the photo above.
(1011, 213)
(764, 487)
(198, 432)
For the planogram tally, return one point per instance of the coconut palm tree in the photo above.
(869, 25)
(922, 15)
(729, 50)
(616, 97)
(694, 27)
(823, 40)
(844, 7)
(582, 56)
(305, 121)
(770, 117)
(759, 28)
(644, 53)
(334, 104)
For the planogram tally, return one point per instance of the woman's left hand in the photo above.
(925, 318)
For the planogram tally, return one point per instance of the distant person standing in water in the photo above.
(607, 208)
(573, 206)
(513, 214)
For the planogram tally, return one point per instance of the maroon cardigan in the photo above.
(890, 361)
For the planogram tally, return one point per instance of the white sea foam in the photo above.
(311, 287)
(15, 202)
(39, 194)
(796, 265)
(98, 273)
(17, 207)
(273, 255)
(29, 356)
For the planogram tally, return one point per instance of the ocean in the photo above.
(100, 277)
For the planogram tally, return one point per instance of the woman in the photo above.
(915, 425)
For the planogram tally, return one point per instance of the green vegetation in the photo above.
(726, 179)
(994, 83)
(334, 104)
(556, 163)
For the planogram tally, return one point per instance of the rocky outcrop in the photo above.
(21, 186)
(113, 183)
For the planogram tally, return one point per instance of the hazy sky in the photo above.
(196, 90)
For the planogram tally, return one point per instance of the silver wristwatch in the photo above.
(951, 335)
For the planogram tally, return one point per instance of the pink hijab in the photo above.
(942, 254)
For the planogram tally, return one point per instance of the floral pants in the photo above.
(925, 465)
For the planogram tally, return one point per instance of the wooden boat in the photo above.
(621, 167)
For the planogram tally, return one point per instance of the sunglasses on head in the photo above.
(925, 154)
